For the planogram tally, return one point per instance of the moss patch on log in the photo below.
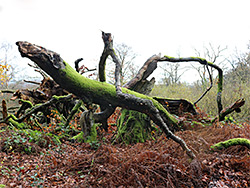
(232, 142)
(133, 127)
(13, 121)
(91, 138)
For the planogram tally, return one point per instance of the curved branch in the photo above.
(232, 142)
(203, 62)
(102, 64)
(211, 85)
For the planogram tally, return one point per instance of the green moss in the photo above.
(75, 81)
(91, 138)
(171, 120)
(232, 142)
(93, 134)
(13, 121)
(78, 137)
(133, 127)
(199, 58)
(99, 90)
(28, 103)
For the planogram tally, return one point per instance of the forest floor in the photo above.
(156, 163)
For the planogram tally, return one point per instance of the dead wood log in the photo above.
(40, 107)
(4, 110)
(233, 107)
(99, 92)
(231, 142)
(146, 70)
(177, 106)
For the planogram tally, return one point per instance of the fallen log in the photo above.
(233, 107)
(91, 91)
(231, 142)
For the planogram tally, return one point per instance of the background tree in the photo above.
(212, 54)
(237, 80)
(240, 71)
(129, 69)
(7, 70)
(171, 73)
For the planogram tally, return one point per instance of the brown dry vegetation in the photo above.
(155, 163)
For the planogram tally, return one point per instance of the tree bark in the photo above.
(233, 107)
(4, 110)
(92, 91)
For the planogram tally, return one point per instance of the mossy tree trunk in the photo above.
(133, 126)
(91, 91)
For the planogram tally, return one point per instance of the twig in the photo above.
(77, 64)
(211, 84)
(31, 82)
(7, 91)
(37, 69)
(137, 178)
(157, 174)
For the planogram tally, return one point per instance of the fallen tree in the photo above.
(130, 96)
(91, 91)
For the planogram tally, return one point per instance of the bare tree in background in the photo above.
(126, 56)
(212, 54)
(172, 73)
(240, 71)
(7, 58)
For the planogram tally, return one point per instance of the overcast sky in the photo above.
(72, 28)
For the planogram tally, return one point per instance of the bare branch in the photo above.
(77, 64)
(31, 82)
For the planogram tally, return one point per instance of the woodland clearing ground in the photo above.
(158, 162)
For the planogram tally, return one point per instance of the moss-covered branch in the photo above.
(203, 62)
(232, 142)
(99, 92)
